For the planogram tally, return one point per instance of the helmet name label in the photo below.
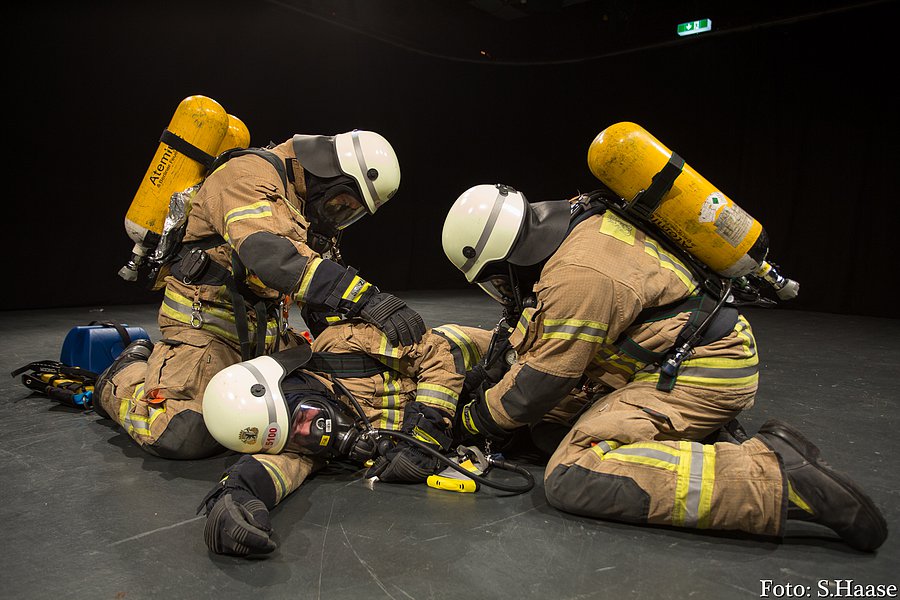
(271, 436)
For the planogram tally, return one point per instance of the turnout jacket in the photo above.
(431, 371)
(590, 295)
(247, 207)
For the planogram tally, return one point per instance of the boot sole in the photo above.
(811, 452)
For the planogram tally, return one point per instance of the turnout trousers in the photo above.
(635, 456)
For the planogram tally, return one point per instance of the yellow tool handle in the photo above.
(452, 484)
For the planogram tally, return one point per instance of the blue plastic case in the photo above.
(95, 347)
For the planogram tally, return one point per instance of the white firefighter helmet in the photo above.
(244, 407)
(490, 226)
(369, 159)
(363, 156)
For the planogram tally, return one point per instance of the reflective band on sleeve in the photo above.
(461, 346)
(438, 396)
(358, 286)
(258, 210)
(303, 290)
(575, 329)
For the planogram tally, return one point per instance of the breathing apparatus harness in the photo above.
(190, 262)
(353, 437)
(713, 315)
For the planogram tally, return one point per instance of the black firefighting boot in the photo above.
(138, 350)
(819, 494)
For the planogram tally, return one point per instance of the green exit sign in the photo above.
(692, 27)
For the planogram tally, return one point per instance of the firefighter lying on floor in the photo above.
(249, 408)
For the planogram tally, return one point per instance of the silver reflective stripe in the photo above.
(391, 414)
(363, 168)
(485, 234)
(648, 453)
(604, 447)
(264, 208)
(664, 257)
(270, 401)
(723, 373)
(574, 330)
(695, 484)
(429, 393)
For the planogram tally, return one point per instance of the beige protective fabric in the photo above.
(158, 403)
(431, 371)
(635, 456)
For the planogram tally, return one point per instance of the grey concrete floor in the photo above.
(86, 514)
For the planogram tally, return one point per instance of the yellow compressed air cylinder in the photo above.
(693, 213)
(202, 123)
(237, 136)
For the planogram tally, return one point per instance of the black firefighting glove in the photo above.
(237, 520)
(408, 463)
(476, 423)
(401, 324)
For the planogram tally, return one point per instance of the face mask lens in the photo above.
(499, 288)
(343, 210)
(310, 430)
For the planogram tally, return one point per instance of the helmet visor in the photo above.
(343, 210)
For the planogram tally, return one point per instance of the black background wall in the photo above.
(793, 115)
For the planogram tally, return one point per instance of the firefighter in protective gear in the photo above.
(245, 258)
(410, 388)
(601, 301)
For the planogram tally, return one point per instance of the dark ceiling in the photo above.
(540, 31)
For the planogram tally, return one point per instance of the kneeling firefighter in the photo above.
(245, 256)
(352, 396)
(601, 300)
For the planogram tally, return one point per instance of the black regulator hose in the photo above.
(499, 463)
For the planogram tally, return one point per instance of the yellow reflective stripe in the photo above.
(670, 262)
(694, 488)
(386, 349)
(263, 208)
(470, 351)
(653, 454)
(215, 319)
(358, 286)
(311, 267)
(133, 423)
(156, 412)
(390, 402)
(797, 500)
(525, 320)
(421, 435)
(618, 228)
(437, 395)
(575, 329)
(605, 446)
(278, 478)
(716, 382)
(707, 482)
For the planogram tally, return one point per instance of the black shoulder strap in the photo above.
(186, 148)
(273, 159)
